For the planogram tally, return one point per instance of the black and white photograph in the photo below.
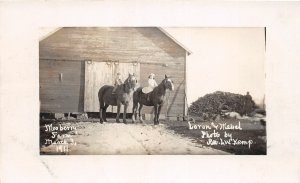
(152, 90)
(149, 91)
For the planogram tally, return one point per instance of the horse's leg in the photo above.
(134, 114)
(124, 113)
(155, 114)
(101, 111)
(104, 112)
(118, 112)
(140, 114)
(158, 113)
(136, 111)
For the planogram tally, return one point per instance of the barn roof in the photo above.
(177, 42)
(46, 32)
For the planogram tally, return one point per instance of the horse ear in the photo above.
(166, 76)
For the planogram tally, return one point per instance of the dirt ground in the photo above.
(171, 137)
(118, 138)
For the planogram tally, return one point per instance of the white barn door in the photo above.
(125, 69)
(98, 74)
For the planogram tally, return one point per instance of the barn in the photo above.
(74, 62)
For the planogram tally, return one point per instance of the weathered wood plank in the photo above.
(124, 69)
(174, 97)
(99, 74)
(119, 43)
(99, 41)
(64, 95)
(96, 76)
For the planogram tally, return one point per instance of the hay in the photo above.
(214, 105)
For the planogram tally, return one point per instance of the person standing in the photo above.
(248, 104)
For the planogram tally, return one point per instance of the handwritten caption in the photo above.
(60, 137)
(220, 133)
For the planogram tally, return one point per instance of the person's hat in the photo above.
(152, 75)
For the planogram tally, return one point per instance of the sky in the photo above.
(222, 59)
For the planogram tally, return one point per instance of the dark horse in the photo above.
(156, 99)
(123, 95)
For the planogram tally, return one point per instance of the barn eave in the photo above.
(177, 42)
(42, 37)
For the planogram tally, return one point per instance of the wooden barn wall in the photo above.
(95, 80)
(123, 44)
(61, 94)
(175, 99)
(149, 46)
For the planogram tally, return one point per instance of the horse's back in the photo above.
(104, 87)
(102, 91)
(138, 91)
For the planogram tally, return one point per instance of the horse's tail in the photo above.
(136, 94)
(100, 96)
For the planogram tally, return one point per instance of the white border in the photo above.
(20, 160)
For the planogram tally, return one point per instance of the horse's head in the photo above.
(131, 81)
(168, 83)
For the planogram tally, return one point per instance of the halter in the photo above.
(126, 83)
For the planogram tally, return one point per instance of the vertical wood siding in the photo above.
(175, 102)
(148, 46)
(61, 86)
(98, 74)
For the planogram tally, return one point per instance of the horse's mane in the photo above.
(159, 85)
(162, 82)
(125, 83)
(126, 80)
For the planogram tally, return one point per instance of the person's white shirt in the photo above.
(152, 83)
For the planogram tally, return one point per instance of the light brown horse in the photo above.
(156, 98)
(122, 96)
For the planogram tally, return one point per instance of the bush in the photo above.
(215, 104)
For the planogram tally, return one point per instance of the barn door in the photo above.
(98, 74)
(124, 69)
